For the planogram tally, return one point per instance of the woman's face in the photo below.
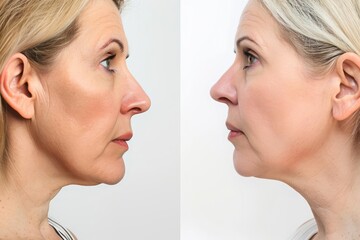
(278, 116)
(87, 100)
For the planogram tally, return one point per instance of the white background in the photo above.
(216, 203)
(145, 205)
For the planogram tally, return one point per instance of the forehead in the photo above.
(257, 23)
(100, 21)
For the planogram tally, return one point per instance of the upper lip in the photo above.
(124, 137)
(232, 127)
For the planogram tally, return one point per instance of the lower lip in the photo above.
(234, 134)
(121, 143)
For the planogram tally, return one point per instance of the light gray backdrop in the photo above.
(145, 205)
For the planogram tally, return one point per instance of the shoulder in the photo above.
(306, 231)
(63, 232)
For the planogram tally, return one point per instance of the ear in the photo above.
(16, 81)
(347, 100)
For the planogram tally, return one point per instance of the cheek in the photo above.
(86, 104)
(82, 117)
(87, 114)
(77, 127)
(90, 111)
(264, 111)
(284, 123)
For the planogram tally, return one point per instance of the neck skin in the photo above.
(331, 186)
(28, 181)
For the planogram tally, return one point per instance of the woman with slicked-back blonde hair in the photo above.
(293, 94)
(66, 102)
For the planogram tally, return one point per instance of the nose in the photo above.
(135, 100)
(224, 89)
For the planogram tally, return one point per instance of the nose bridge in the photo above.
(224, 90)
(135, 100)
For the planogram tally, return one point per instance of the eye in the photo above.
(106, 63)
(250, 59)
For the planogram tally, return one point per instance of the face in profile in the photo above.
(278, 112)
(87, 99)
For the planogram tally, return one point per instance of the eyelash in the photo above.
(108, 63)
(249, 56)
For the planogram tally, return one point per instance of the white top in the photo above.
(61, 231)
(306, 231)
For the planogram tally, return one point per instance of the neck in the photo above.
(24, 206)
(28, 182)
(332, 189)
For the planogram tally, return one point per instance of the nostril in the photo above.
(137, 110)
(223, 100)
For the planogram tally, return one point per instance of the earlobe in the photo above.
(15, 84)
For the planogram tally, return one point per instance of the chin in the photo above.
(243, 165)
(114, 179)
(243, 172)
(110, 173)
(113, 175)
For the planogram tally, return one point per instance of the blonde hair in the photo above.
(39, 29)
(320, 31)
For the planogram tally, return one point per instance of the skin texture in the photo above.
(271, 100)
(87, 106)
(289, 124)
(69, 124)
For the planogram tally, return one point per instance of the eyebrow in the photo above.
(118, 42)
(242, 39)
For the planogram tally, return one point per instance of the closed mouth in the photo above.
(125, 137)
(122, 139)
(232, 128)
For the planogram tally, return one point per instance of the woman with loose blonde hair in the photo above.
(294, 98)
(66, 102)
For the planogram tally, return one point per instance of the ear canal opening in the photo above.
(348, 88)
(352, 81)
(25, 90)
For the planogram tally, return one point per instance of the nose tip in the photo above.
(224, 90)
(145, 104)
(137, 102)
(219, 92)
(214, 93)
